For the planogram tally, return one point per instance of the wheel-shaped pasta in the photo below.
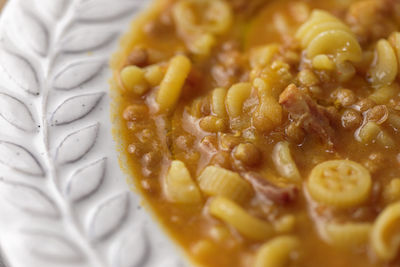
(385, 236)
(385, 66)
(347, 235)
(237, 94)
(339, 183)
(276, 252)
(324, 34)
(172, 83)
(217, 181)
(234, 215)
(179, 186)
(284, 162)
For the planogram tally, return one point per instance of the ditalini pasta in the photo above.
(266, 133)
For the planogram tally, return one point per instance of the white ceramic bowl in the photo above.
(63, 198)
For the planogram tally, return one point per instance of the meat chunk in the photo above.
(270, 192)
(307, 113)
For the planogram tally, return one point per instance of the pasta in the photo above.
(391, 192)
(171, 85)
(284, 162)
(323, 62)
(216, 18)
(383, 94)
(216, 181)
(203, 248)
(277, 252)
(384, 70)
(372, 132)
(235, 98)
(153, 75)
(218, 102)
(179, 186)
(339, 183)
(285, 224)
(261, 56)
(133, 79)
(394, 40)
(212, 124)
(369, 132)
(248, 225)
(268, 113)
(324, 34)
(385, 236)
(347, 235)
(266, 132)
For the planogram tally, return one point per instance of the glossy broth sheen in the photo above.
(340, 97)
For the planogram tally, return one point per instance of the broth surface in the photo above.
(288, 105)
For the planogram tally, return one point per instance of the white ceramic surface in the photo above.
(63, 198)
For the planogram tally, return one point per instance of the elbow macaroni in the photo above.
(179, 186)
(284, 162)
(385, 236)
(339, 183)
(218, 102)
(385, 66)
(371, 131)
(235, 98)
(172, 83)
(276, 252)
(347, 235)
(234, 215)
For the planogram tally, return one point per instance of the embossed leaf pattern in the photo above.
(138, 242)
(28, 198)
(52, 53)
(104, 10)
(77, 144)
(53, 247)
(75, 108)
(52, 7)
(108, 216)
(21, 71)
(30, 31)
(86, 180)
(76, 74)
(16, 113)
(18, 158)
(87, 39)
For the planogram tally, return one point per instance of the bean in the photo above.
(351, 119)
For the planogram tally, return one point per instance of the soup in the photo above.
(266, 133)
